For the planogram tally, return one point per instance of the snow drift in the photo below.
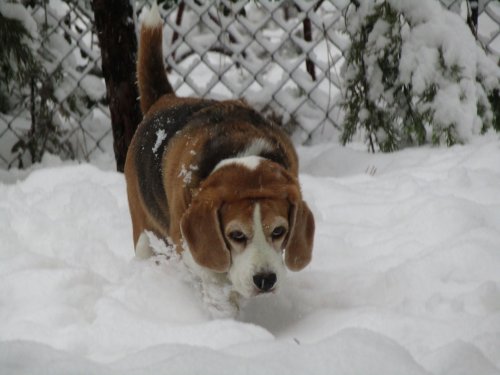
(404, 279)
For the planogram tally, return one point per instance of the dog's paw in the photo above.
(225, 311)
(221, 301)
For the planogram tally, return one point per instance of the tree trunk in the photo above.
(308, 38)
(310, 67)
(178, 21)
(118, 42)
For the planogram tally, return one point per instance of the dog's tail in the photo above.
(151, 75)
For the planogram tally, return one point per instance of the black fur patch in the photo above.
(218, 148)
(154, 138)
(222, 145)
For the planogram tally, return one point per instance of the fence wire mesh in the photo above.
(283, 57)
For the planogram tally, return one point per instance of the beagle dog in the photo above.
(216, 180)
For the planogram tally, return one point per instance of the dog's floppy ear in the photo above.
(200, 228)
(299, 243)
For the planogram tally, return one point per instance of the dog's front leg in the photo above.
(217, 293)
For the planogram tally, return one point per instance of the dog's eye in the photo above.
(278, 232)
(237, 236)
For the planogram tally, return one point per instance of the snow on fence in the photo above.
(283, 57)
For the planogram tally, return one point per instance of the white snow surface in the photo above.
(19, 12)
(405, 277)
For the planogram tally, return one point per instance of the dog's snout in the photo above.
(264, 281)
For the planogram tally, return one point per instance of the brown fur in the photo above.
(200, 134)
(235, 183)
(151, 87)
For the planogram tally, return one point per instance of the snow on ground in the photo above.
(405, 277)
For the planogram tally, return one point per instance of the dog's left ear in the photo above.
(200, 228)
(299, 243)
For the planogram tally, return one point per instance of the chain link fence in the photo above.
(283, 57)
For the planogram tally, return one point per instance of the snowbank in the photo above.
(404, 280)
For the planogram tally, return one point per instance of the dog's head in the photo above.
(246, 215)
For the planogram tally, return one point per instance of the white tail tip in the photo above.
(153, 19)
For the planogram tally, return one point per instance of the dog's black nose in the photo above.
(264, 281)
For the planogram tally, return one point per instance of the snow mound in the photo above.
(404, 278)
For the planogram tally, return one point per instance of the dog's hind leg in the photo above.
(143, 247)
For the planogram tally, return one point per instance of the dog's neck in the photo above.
(250, 162)
(250, 157)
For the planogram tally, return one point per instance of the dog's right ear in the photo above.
(200, 229)
(299, 244)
